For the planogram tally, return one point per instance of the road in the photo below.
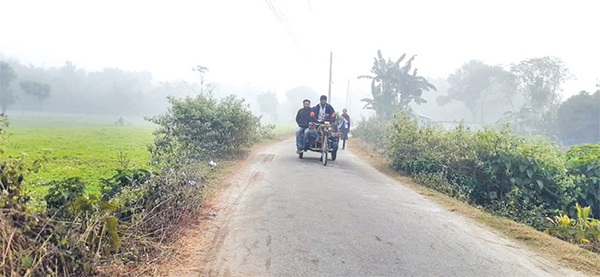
(296, 217)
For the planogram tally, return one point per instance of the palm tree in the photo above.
(393, 87)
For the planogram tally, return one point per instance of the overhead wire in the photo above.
(284, 23)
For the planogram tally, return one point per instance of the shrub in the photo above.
(34, 244)
(583, 162)
(203, 128)
(122, 179)
(64, 192)
(371, 130)
(524, 179)
(150, 212)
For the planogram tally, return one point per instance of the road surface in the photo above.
(296, 217)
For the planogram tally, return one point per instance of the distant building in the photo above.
(448, 125)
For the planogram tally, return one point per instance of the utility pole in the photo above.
(348, 96)
(330, 65)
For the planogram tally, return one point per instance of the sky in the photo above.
(277, 45)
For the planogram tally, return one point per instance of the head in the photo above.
(323, 99)
(344, 111)
(306, 103)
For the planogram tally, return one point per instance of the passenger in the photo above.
(302, 119)
(310, 132)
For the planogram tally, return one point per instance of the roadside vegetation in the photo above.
(527, 179)
(100, 199)
(538, 164)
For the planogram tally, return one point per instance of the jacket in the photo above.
(303, 117)
(329, 113)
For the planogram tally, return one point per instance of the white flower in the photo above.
(212, 163)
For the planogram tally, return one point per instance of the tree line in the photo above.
(68, 89)
(526, 95)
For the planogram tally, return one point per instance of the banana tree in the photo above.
(393, 87)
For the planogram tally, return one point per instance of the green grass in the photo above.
(88, 147)
(284, 130)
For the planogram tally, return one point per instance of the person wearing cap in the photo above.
(323, 111)
(302, 119)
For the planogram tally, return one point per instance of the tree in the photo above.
(296, 95)
(473, 83)
(7, 97)
(267, 101)
(37, 90)
(209, 87)
(539, 80)
(579, 119)
(293, 101)
(393, 87)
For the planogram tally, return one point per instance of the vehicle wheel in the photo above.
(324, 150)
(334, 155)
(300, 155)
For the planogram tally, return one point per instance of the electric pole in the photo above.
(330, 64)
(348, 96)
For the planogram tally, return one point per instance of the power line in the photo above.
(284, 23)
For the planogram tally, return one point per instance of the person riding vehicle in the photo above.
(323, 111)
(320, 113)
(302, 119)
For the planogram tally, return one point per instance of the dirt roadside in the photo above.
(201, 237)
(551, 248)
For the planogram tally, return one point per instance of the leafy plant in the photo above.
(521, 178)
(123, 179)
(584, 229)
(583, 161)
(63, 192)
(203, 128)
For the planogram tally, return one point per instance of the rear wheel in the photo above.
(324, 151)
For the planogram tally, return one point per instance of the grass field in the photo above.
(88, 147)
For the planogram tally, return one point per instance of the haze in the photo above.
(244, 43)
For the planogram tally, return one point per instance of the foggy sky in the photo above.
(243, 43)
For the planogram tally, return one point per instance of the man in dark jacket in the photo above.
(302, 118)
(323, 111)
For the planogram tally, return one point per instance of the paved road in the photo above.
(293, 217)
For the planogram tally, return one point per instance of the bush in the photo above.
(122, 179)
(138, 211)
(34, 244)
(203, 128)
(583, 162)
(524, 179)
(372, 131)
(63, 193)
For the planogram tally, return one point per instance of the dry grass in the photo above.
(549, 247)
(197, 233)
